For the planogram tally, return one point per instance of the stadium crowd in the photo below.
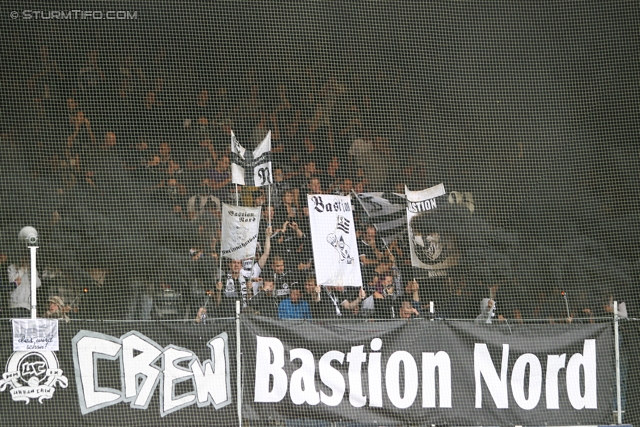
(100, 127)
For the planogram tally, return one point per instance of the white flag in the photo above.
(251, 168)
(432, 252)
(335, 246)
(35, 334)
(239, 231)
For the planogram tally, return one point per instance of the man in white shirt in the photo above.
(20, 298)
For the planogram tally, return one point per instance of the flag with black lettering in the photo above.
(251, 168)
(240, 227)
(428, 251)
(333, 235)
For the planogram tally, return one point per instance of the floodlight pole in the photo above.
(34, 279)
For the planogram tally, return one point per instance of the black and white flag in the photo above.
(343, 224)
(431, 251)
(240, 227)
(251, 168)
(386, 212)
(335, 247)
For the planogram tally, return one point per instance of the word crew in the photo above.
(137, 356)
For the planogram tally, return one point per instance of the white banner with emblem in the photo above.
(335, 246)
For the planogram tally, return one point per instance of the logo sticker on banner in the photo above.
(335, 247)
(32, 375)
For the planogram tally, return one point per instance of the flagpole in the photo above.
(269, 212)
(237, 199)
(220, 267)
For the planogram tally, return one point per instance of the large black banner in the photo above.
(124, 373)
(395, 372)
(428, 372)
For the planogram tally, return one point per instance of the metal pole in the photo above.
(237, 198)
(269, 212)
(34, 279)
(220, 269)
(566, 303)
(238, 365)
(617, 339)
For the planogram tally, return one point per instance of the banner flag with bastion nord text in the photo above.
(382, 373)
(408, 372)
(240, 226)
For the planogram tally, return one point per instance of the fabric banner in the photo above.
(335, 245)
(251, 168)
(35, 334)
(421, 372)
(240, 226)
(380, 373)
(433, 251)
(121, 374)
(386, 211)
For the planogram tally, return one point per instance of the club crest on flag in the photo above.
(431, 249)
(343, 224)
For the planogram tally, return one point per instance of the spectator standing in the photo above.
(371, 249)
(265, 302)
(20, 298)
(220, 179)
(312, 295)
(386, 303)
(282, 277)
(294, 307)
(58, 309)
(235, 289)
(287, 211)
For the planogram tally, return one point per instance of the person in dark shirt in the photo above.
(265, 302)
(282, 277)
(287, 211)
(341, 301)
(235, 289)
(287, 241)
(372, 251)
(312, 295)
(387, 303)
(220, 179)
